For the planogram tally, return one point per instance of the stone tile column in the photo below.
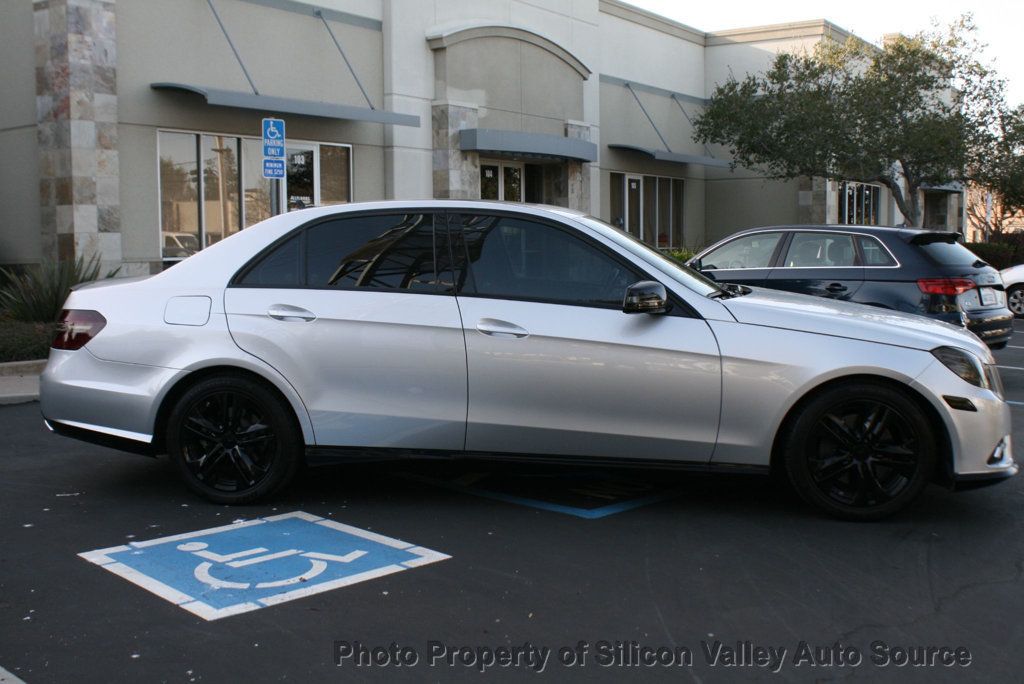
(812, 200)
(578, 181)
(456, 173)
(76, 114)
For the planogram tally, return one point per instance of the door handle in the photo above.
(493, 326)
(287, 312)
(836, 287)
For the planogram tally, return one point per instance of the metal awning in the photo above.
(675, 157)
(526, 144)
(285, 105)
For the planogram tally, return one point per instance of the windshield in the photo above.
(684, 274)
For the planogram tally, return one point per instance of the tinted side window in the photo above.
(820, 250)
(874, 253)
(282, 267)
(391, 252)
(751, 251)
(522, 259)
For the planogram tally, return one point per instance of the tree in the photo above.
(920, 111)
(1001, 172)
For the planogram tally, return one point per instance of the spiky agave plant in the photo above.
(38, 293)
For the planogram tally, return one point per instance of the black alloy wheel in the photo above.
(861, 451)
(234, 441)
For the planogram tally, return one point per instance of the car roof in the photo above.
(905, 234)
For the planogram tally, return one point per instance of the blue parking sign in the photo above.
(273, 138)
(249, 565)
(273, 168)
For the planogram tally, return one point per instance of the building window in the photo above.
(227, 173)
(858, 203)
(648, 207)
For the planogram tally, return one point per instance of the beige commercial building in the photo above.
(132, 128)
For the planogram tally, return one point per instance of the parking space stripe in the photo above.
(1015, 403)
(8, 678)
(1010, 368)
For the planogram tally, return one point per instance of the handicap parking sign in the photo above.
(245, 566)
(273, 138)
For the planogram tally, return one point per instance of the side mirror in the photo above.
(646, 296)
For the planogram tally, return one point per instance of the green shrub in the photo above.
(995, 254)
(24, 341)
(37, 294)
(680, 255)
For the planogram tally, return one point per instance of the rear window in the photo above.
(949, 253)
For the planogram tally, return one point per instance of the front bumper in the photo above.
(980, 440)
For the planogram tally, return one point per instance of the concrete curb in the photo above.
(22, 368)
(19, 381)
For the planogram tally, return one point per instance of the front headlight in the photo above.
(965, 364)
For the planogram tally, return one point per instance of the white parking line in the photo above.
(1013, 346)
(1015, 403)
(1010, 368)
(8, 678)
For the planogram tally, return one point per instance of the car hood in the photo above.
(856, 321)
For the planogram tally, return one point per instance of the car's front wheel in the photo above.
(233, 440)
(860, 451)
(1015, 300)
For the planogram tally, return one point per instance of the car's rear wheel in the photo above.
(1015, 299)
(233, 440)
(860, 451)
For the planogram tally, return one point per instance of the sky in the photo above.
(999, 23)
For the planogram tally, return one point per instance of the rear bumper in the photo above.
(92, 436)
(81, 395)
(993, 326)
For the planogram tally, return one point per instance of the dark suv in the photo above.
(917, 271)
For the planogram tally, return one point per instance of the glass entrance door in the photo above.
(501, 181)
(299, 186)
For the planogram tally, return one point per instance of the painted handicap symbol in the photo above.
(253, 564)
(241, 559)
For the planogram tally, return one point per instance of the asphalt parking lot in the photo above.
(727, 569)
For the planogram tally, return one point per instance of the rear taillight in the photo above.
(76, 327)
(945, 286)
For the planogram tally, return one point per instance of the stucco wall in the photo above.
(19, 170)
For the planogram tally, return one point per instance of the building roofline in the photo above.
(624, 10)
(796, 29)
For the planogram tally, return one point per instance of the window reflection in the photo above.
(260, 199)
(220, 187)
(380, 252)
(334, 181)
(179, 193)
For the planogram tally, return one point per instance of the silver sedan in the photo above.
(500, 330)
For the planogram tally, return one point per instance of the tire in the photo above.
(860, 451)
(1015, 300)
(997, 346)
(233, 441)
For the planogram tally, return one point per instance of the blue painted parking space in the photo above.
(583, 494)
(232, 569)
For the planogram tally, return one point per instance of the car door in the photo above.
(359, 317)
(819, 263)
(556, 367)
(746, 260)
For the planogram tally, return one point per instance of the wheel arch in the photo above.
(944, 469)
(194, 376)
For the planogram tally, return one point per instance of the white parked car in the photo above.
(450, 328)
(1013, 282)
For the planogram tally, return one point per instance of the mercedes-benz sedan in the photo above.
(472, 328)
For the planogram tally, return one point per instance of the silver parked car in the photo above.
(491, 329)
